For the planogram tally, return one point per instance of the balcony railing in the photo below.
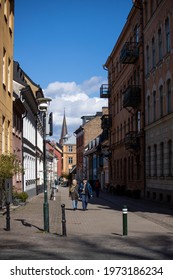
(129, 53)
(105, 91)
(132, 97)
(106, 122)
(132, 141)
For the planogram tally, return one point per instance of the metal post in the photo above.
(45, 204)
(124, 220)
(64, 233)
(8, 216)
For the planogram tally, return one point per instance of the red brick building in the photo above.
(158, 46)
(125, 93)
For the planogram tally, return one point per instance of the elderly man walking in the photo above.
(86, 193)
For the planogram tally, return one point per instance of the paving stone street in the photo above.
(93, 234)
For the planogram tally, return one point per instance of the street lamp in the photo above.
(43, 104)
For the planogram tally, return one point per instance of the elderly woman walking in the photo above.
(73, 192)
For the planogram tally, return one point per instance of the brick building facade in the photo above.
(125, 93)
(158, 44)
(88, 131)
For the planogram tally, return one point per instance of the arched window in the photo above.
(160, 44)
(153, 53)
(161, 100)
(167, 34)
(162, 159)
(149, 161)
(154, 105)
(155, 160)
(170, 161)
(148, 108)
(147, 60)
(169, 97)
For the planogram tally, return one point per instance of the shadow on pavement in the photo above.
(73, 248)
(26, 224)
(111, 201)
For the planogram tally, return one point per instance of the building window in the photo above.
(146, 10)
(5, 9)
(70, 160)
(4, 68)
(148, 108)
(8, 136)
(118, 134)
(3, 134)
(9, 75)
(169, 97)
(147, 59)
(121, 100)
(118, 170)
(160, 44)
(129, 168)
(132, 123)
(70, 148)
(170, 158)
(121, 169)
(115, 170)
(153, 53)
(155, 160)
(138, 166)
(132, 167)
(121, 132)
(128, 124)
(117, 103)
(152, 7)
(162, 159)
(134, 78)
(136, 34)
(124, 127)
(154, 105)
(138, 121)
(138, 76)
(161, 100)
(149, 161)
(167, 34)
(11, 21)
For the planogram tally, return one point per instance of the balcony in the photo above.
(104, 136)
(129, 53)
(132, 97)
(105, 91)
(132, 141)
(106, 122)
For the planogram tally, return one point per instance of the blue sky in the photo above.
(62, 45)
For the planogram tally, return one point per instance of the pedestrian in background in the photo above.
(73, 192)
(86, 193)
(97, 187)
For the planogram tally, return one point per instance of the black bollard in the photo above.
(124, 220)
(8, 216)
(64, 233)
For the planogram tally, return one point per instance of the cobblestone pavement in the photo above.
(92, 234)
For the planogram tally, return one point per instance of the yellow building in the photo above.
(6, 74)
(68, 144)
(69, 154)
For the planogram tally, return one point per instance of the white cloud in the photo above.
(77, 99)
(91, 86)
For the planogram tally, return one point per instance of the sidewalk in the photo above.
(92, 234)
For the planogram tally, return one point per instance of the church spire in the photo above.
(64, 129)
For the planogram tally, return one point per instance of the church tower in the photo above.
(64, 133)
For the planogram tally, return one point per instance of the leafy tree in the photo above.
(9, 166)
